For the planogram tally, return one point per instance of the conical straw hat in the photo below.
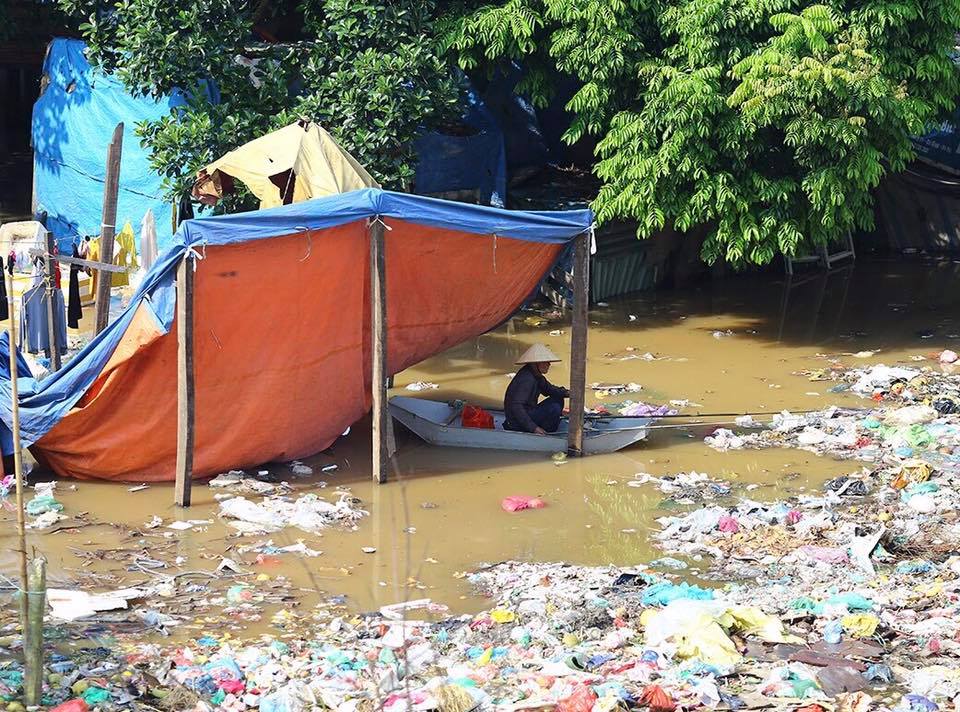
(538, 353)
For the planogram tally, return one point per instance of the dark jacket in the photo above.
(523, 393)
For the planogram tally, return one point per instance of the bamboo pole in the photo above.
(578, 342)
(378, 351)
(108, 227)
(33, 638)
(51, 277)
(17, 455)
(185, 383)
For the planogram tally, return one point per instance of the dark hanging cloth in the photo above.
(184, 210)
(11, 262)
(74, 309)
(4, 310)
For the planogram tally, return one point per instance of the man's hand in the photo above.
(539, 431)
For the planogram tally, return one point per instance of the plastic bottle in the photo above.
(833, 632)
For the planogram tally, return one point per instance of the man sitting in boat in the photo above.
(520, 404)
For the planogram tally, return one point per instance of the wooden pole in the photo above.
(378, 349)
(578, 345)
(108, 226)
(17, 457)
(185, 390)
(51, 277)
(33, 637)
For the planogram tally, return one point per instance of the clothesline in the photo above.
(102, 266)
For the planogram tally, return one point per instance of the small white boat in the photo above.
(439, 424)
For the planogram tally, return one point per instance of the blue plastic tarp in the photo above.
(941, 147)
(473, 162)
(44, 403)
(23, 371)
(523, 140)
(73, 123)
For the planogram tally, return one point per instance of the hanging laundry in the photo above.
(74, 308)
(125, 255)
(4, 307)
(38, 271)
(34, 333)
(56, 267)
(11, 262)
(148, 240)
(184, 210)
(93, 254)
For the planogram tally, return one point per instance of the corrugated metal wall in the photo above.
(918, 210)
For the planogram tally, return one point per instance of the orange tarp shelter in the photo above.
(282, 330)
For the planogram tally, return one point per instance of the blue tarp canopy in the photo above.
(44, 403)
(941, 147)
(73, 123)
(472, 162)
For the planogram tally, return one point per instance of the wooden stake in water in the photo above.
(186, 397)
(33, 637)
(578, 341)
(17, 459)
(379, 415)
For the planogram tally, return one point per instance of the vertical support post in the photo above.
(17, 454)
(578, 341)
(51, 277)
(108, 227)
(33, 636)
(185, 386)
(378, 350)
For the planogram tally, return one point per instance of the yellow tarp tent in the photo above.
(298, 162)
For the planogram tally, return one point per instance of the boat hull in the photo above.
(439, 424)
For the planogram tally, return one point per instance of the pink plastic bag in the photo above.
(728, 524)
(518, 502)
(75, 705)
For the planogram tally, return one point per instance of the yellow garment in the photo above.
(125, 255)
(699, 629)
(93, 254)
(860, 625)
(320, 165)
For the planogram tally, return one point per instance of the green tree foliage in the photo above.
(766, 123)
(365, 70)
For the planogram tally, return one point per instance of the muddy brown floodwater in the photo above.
(730, 346)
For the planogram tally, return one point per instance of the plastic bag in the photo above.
(41, 505)
(474, 416)
(911, 471)
(728, 524)
(860, 625)
(95, 695)
(581, 700)
(294, 697)
(660, 594)
(74, 705)
(519, 502)
(654, 697)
